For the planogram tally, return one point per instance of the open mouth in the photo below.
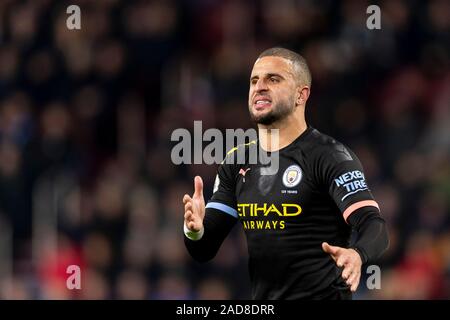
(262, 103)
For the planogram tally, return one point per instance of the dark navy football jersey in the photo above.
(287, 215)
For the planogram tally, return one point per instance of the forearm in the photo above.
(372, 239)
(216, 225)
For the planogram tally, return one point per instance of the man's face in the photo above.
(272, 90)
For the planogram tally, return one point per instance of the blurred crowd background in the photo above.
(86, 118)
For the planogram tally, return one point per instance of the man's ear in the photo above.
(302, 95)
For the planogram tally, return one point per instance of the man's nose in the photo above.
(261, 85)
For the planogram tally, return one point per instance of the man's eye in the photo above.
(253, 82)
(273, 79)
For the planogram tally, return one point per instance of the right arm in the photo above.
(205, 227)
(216, 227)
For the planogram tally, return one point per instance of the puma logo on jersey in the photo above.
(243, 172)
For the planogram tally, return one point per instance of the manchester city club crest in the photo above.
(292, 176)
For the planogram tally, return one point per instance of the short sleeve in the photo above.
(224, 193)
(344, 177)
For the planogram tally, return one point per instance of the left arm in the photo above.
(344, 176)
(372, 241)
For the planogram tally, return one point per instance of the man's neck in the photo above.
(289, 129)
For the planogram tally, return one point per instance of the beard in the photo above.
(278, 112)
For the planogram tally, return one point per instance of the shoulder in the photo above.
(240, 153)
(233, 161)
(323, 147)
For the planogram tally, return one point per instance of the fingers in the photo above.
(353, 276)
(349, 260)
(198, 187)
(191, 221)
(188, 206)
(341, 260)
(347, 272)
(188, 215)
(326, 247)
(333, 250)
(191, 225)
(186, 198)
(351, 273)
(353, 281)
(188, 212)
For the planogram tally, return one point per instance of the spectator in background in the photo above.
(91, 111)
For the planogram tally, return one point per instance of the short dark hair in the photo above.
(303, 72)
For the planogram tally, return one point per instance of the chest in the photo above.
(277, 198)
(290, 181)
